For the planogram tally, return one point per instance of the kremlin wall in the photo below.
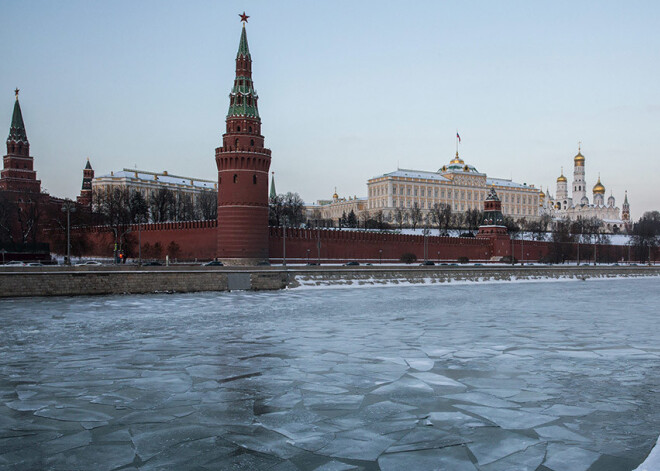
(241, 235)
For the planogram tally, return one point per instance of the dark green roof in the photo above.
(243, 49)
(88, 166)
(17, 129)
(273, 193)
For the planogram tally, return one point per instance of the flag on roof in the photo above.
(458, 137)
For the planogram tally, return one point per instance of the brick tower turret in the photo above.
(243, 164)
(18, 172)
(85, 197)
(493, 227)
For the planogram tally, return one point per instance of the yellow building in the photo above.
(456, 184)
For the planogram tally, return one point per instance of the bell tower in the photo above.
(18, 172)
(243, 163)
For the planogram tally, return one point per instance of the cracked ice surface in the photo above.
(493, 377)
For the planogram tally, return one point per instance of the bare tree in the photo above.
(415, 215)
(292, 209)
(207, 205)
(400, 217)
(161, 203)
(7, 216)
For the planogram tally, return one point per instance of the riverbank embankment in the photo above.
(76, 281)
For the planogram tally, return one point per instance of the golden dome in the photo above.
(457, 160)
(579, 158)
(541, 194)
(561, 178)
(335, 195)
(599, 189)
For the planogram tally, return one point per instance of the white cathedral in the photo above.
(577, 206)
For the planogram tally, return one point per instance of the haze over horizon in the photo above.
(347, 90)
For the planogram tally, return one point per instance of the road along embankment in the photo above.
(76, 281)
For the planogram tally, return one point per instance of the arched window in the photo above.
(250, 129)
(219, 180)
(254, 179)
(235, 178)
(252, 142)
(236, 142)
(238, 129)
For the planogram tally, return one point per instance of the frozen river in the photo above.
(491, 377)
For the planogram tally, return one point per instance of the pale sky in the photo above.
(348, 90)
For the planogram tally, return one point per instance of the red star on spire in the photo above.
(244, 17)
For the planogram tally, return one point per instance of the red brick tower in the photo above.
(85, 197)
(243, 165)
(493, 227)
(18, 167)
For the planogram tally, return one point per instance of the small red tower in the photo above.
(18, 172)
(493, 228)
(243, 164)
(85, 198)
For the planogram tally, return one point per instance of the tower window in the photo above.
(254, 179)
(238, 129)
(252, 142)
(250, 129)
(236, 141)
(235, 178)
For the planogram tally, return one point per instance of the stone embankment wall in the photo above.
(73, 281)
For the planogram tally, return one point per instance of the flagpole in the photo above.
(457, 142)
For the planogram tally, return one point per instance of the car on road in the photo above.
(14, 263)
(89, 263)
(427, 263)
(214, 263)
(351, 264)
(154, 263)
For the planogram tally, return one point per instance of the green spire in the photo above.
(243, 97)
(273, 193)
(243, 49)
(17, 129)
(88, 166)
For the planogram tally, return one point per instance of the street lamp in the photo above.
(307, 256)
(380, 256)
(119, 237)
(68, 207)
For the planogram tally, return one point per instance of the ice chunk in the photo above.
(563, 457)
(359, 444)
(509, 419)
(420, 364)
(526, 460)
(570, 411)
(493, 444)
(150, 440)
(437, 380)
(450, 458)
(336, 466)
(73, 414)
(104, 457)
(652, 462)
(482, 399)
(425, 438)
(557, 433)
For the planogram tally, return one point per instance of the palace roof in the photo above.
(163, 178)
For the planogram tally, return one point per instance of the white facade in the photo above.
(149, 182)
(577, 205)
(457, 184)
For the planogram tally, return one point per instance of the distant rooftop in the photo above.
(161, 177)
